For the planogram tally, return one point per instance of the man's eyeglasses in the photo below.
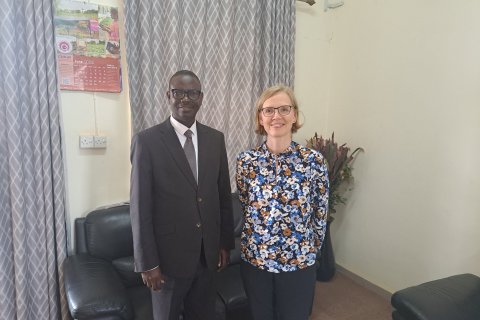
(282, 110)
(179, 94)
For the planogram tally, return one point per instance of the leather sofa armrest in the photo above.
(230, 288)
(94, 289)
(456, 297)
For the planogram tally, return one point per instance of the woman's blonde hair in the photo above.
(267, 94)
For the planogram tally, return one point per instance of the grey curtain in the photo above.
(32, 219)
(237, 48)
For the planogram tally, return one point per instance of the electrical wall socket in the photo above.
(93, 142)
(99, 142)
(86, 142)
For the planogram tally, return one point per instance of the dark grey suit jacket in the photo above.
(170, 213)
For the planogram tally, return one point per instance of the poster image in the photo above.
(88, 46)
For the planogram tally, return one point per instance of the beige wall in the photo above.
(399, 78)
(404, 84)
(312, 68)
(96, 177)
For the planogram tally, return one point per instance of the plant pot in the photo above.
(326, 258)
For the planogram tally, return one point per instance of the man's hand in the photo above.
(153, 279)
(223, 259)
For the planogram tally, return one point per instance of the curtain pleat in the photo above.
(237, 48)
(32, 212)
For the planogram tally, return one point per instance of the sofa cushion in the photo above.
(94, 290)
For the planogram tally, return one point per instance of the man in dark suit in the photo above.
(182, 217)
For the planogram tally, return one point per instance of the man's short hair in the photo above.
(184, 73)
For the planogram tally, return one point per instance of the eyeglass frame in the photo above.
(185, 93)
(276, 109)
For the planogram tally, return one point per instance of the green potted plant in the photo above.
(339, 163)
(339, 167)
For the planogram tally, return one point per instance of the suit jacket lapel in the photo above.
(202, 151)
(175, 149)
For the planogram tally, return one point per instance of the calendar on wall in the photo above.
(88, 46)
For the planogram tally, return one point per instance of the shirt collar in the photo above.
(290, 149)
(181, 129)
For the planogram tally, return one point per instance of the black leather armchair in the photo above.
(99, 278)
(452, 298)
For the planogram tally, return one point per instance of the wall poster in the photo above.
(88, 46)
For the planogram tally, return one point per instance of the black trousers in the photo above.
(193, 296)
(279, 296)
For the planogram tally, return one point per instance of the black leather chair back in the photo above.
(106, 233)
(238, 220)
(109, 233)
(237, 215)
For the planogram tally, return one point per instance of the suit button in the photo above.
(199, 199)
(199, 225)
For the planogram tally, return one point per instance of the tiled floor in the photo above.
(343, 299)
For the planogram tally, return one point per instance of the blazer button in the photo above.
(199, 199)
(199, 225)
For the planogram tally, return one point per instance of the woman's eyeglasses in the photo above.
(282, 110)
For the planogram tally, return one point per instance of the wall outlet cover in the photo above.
(99, 142)
(86, 142)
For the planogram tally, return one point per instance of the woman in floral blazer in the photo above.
(283, 189)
